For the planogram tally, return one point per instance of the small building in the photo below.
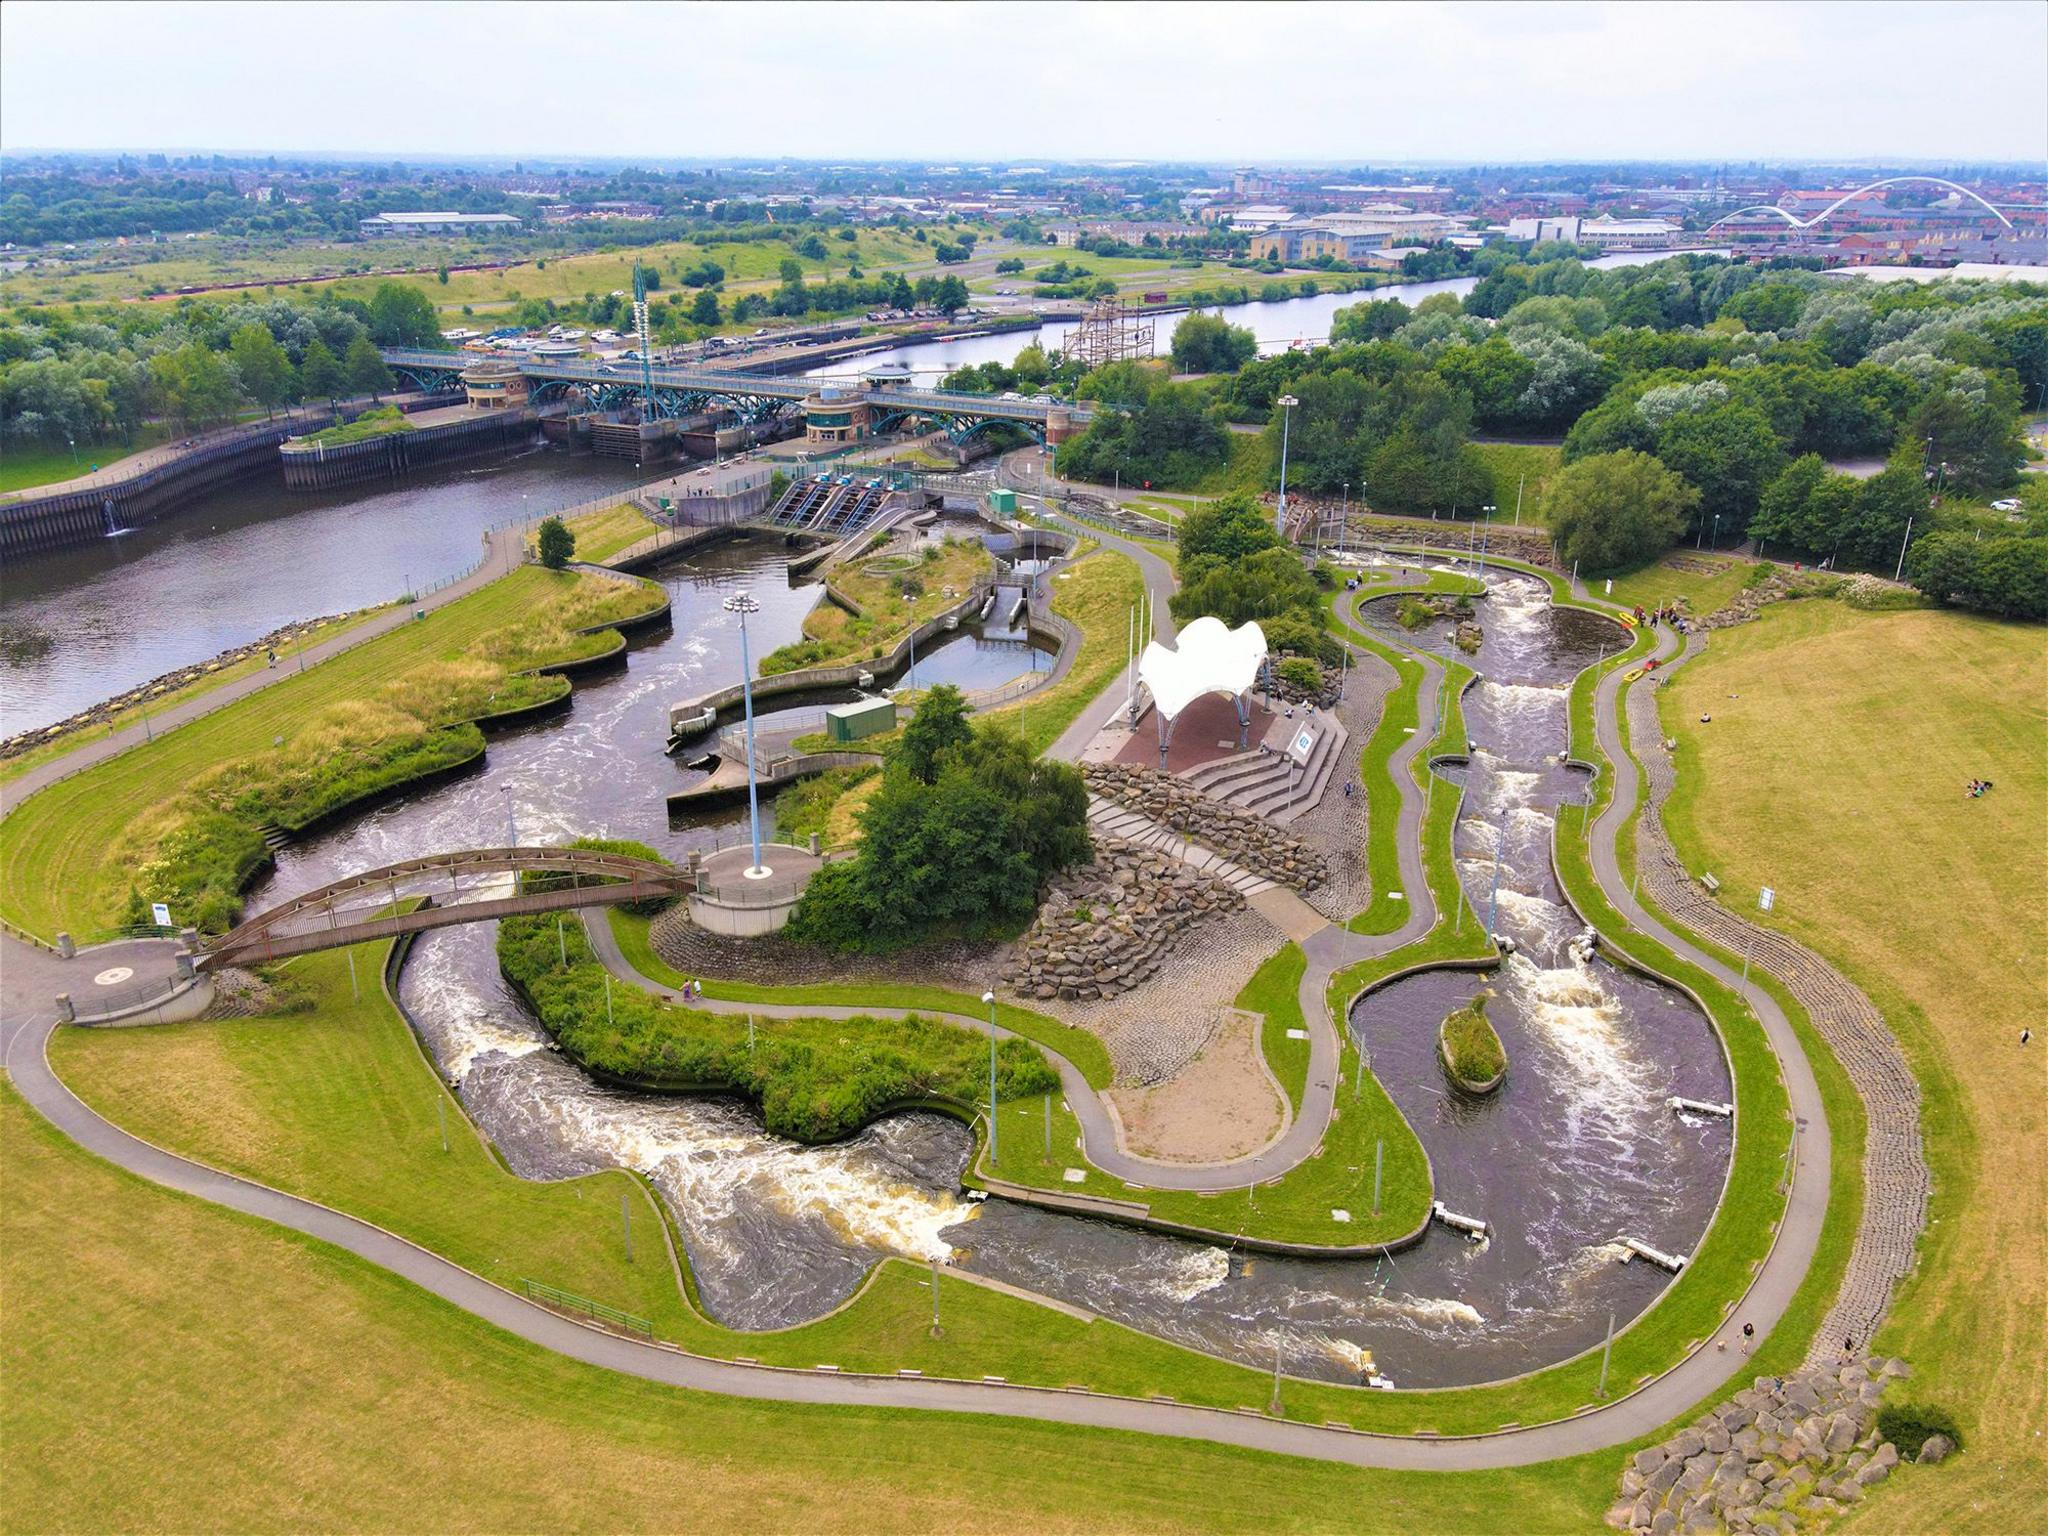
(495, 384)
(386, 224)
(860, 719)
(834, 417)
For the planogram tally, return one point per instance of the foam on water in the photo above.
(1193, 1272)
(1568, 1006)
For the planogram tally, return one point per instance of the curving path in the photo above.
(1698, 1376)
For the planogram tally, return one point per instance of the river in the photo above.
(1277, 326)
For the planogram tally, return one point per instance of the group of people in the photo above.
(1976, 788)
(1667, 615)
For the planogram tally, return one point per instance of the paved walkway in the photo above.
(1698, 1376)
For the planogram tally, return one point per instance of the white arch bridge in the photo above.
(1849, 197)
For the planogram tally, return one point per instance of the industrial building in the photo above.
(438, 224)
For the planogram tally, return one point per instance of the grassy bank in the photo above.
(603, 533)
(1834, 768)
(1529, 466)
(407, 1414)
(813, 1079)
(892, 594)
(1096, 594)
(1703, 583)
(178, 818)
(26, 465)
(384, 421)
(1272, 993)
(1471, 1049)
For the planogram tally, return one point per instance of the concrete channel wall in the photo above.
(317, 466)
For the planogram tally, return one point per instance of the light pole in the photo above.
(1485, 535)
(990, 999)
(742, 603)
(1287, 403)
(1901, 571)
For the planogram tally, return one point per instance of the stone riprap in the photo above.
(1247, 840)
(1104, 926)
(1784, 1451)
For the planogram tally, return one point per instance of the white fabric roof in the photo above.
(1210, 658)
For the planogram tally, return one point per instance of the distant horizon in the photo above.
(1406, 84)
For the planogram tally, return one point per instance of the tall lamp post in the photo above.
(990, 999)
(743, 603)
(1287, 403)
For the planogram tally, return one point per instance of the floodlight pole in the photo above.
(742, 603)
(1287, 403)
(990, 999)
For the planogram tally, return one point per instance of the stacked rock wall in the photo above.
(1242, 837)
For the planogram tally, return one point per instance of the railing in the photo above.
(596, 1311)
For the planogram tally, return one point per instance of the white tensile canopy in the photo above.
(1210, 657)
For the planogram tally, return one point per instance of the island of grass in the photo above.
(814, 1079)
(1471, 1052)
(384, 421)
(874, 602)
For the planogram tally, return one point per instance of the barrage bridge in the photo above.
(671, 390)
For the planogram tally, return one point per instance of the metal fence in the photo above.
(568, 1301)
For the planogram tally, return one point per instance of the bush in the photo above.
(1301, 674)
(556, 544)
(1909, 1426)
(622, 845)
(815, 1079)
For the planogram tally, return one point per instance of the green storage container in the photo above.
(1003, 503)
(863, 717)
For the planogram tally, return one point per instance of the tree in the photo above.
(321, 375)
(364, 368)
(401, 316)
(950, 254)
(555, 544)
(704, 308)
(1229, 529)
(1729, 452)
(1374, 320)
(939, 725)
(1210, 344)
(1617, 510)
(2007, 575)
(1271, 584)
(263, 370)
(791, 271)
(1808, 507)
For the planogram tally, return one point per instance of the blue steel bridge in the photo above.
(754, 397)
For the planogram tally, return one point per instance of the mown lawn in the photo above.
(603, 533)
(1702, 582)
(1527, 467)
(26, 464)
(72, 852)
(155, 1345)
(1833, 770)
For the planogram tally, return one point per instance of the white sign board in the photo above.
(160, 914)
(1304, 743)
(1610, 586)
(1765, 898)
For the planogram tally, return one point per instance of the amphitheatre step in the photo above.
(1113, 820)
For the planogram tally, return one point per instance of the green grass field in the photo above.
(602, 534)
(1527, 466)
(132, 1309)
(1833, 771)
(23, 465)
(1702, 582)
(72, 852)
(1095, 593)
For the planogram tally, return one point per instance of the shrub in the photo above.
(556, 543)
(1909, 1425)
(1300, 673)
(1471, 1048)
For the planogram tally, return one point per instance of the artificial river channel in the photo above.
(1576, 1151)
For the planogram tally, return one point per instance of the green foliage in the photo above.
(402, 316)
(1270, 584)
(1166, 434)
(962, 849)
(1302, 634)
(363, 368)
(1909, 1426)
(2006, 575)
(621, 845)
(1617, 510)
(939, 726)
(321, 374)
(814, 1079)
(1205, 343)
(1300, 673)
(382, 422)
(806, 806)
(261, 367)
(1229, 528)
(555, 544)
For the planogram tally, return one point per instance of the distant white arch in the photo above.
(1849, 197)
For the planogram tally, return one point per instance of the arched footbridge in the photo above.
(472, 886)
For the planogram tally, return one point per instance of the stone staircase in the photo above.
(1113, 820)
(1267, 783)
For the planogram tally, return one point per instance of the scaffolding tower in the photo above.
(1110, 332)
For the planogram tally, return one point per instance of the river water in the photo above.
(1575, 1153)
(1277, 326)
(82, 624)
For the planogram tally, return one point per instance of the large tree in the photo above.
(401, 316)
(364, 368)
(1617, 510)
(321, 375)
(1210, 344)
(263, 370)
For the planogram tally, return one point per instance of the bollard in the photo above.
(184, 958)
(65, 1010)
(814, 845)
(65, 948)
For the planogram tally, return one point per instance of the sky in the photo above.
(1352, 83)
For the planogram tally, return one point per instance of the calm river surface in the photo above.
(82, 624)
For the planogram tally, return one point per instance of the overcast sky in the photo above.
(1187, 81)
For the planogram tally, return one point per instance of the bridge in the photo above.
(368, 906)
(686, 389)
(1850, 197)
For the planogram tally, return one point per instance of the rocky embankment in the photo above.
(1247, 840)
(1781, 1452)
(278, 640)
(1103, 927)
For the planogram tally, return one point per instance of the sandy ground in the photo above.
(1222, 1104)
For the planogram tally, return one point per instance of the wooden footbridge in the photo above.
(473, 886)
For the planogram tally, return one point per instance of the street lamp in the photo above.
(990, 999)
(1287, 403)
(742, 603)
